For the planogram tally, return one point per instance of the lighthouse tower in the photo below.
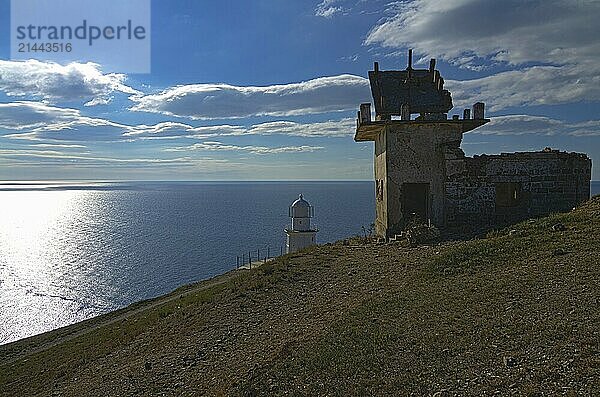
(301, 234)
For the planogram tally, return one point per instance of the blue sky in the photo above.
(253, 90)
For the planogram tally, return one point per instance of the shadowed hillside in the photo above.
(516, 312)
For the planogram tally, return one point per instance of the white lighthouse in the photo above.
(301, 234)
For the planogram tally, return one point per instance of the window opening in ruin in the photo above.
(508, 194)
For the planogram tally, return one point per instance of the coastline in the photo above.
(21, 348)
(97, 249)
(398, 319)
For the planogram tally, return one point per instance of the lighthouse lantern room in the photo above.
(301, 234)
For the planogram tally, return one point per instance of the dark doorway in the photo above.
(415, 201)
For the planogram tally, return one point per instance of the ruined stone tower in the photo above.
(422, 174)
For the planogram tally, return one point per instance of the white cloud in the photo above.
(333, 128)
(173, 129)
(558, 37)
(328, 8)
(586, 128)
(52, 82)
(218, 101)
(218, 146)
(24, 115)
(537, 125)
(86, 158)
(341, 128)
(514, 31)
(57, 145)
(35, 121)
(538, 85)
(40, 120)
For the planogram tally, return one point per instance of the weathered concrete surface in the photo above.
(464, 194)
(416, 155)
(380, 172)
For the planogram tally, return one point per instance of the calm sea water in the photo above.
(70, 252)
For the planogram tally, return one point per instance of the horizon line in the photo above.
(45, 181)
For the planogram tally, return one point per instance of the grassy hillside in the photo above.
(517, 313)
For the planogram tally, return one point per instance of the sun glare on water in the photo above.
(38, 285)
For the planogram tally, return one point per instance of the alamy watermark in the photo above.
(112, 33)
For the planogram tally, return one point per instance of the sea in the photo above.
(70, 251)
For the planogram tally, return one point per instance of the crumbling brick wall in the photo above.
(484, 192)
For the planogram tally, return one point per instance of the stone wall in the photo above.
(537, 183)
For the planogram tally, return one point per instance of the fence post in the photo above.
(237, 262)
(258, 254)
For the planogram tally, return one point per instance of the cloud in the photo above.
(34, 121)
(28, 120)
(341, 128)
(40, 121)
(538, 125)
(350, 58)
(57, 145)
(538, 85)
(338, 128)
(173, 129)
(586, 128)
(222, 101)
(24, 115)
(327, 8)
(218, 146)
(550, 45)
(513, 31)
(53, 83)
(87, 159)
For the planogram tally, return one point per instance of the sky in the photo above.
(269, 89)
